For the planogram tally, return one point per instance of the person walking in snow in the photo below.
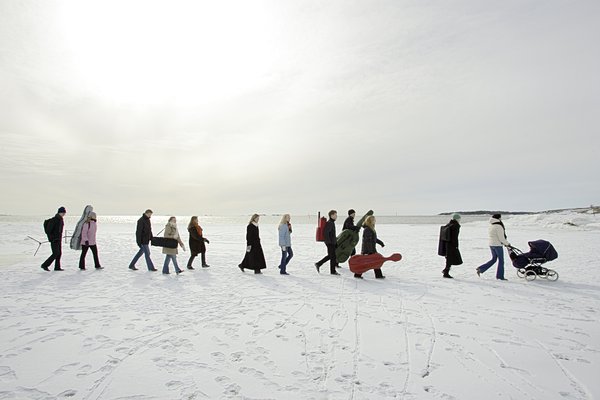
(143, 236)
(369, 242)
(349, 224)
(449, 244)
(285, 242)
(171, 254)
(330, 240)
(497, 234)
(254, 258)
(197, 243)
(88, 241)
(54, 230)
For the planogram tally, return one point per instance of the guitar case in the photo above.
(360, 264)
(76, 238)
(169, 243)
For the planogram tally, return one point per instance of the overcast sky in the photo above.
(235, 107)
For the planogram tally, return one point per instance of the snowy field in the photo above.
(222, 334)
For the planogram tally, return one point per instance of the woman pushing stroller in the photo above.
(498, 239)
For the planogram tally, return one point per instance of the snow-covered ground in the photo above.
(219, 333)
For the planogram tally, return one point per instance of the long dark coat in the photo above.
(369, 240)
(255, 259)
(196, 242)
(453, 256)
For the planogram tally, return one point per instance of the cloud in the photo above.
(406, 108)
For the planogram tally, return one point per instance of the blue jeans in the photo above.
(497, 254)
(145, 250)
(168, 258)
(286, 256)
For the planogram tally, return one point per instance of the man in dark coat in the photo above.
(349, 224)
(143, 236)
(54, 230)
(449, 245)
(330, 242)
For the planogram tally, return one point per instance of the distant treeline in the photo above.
(488, 212)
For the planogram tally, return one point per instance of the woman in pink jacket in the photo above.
(88, 241)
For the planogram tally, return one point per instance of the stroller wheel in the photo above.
(521, 272)
(552, 275)
(530, 275)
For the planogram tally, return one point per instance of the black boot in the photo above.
(204, 264)
(446, 272)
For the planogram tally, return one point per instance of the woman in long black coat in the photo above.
(453, 256)
(254, 258)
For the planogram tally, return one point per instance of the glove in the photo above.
(248, 248)
(206, 241)
(382, 244)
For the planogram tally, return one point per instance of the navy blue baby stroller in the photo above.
(529, 265)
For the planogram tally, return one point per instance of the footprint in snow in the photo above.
(237, 356)
(7, 374)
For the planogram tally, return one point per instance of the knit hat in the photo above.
(62, 210)
(456, 216)
(497, 216)
(351, 211)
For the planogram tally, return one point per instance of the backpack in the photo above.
(444, 239)
(445, 233)
(321, 229)
(47, 227)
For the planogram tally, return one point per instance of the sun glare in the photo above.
(183, 53)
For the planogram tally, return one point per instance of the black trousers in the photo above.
(191, 260)
(331, 257)
(84, 250)
(378, 273)
(56, 247)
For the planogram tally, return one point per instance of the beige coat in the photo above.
(173, 233)
(496, 233)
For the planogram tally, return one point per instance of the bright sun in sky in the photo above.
(180, 53)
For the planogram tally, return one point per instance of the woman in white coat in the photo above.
(498, 239)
